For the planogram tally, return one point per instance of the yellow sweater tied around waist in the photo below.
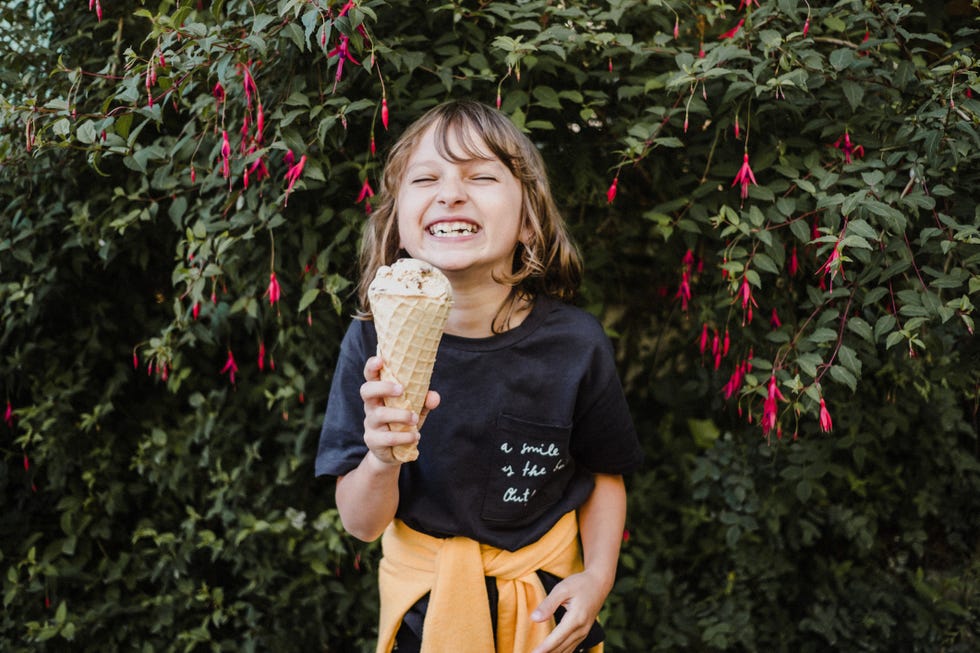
(452, 571)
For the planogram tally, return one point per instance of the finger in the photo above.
(546, 609)
(376, 391)
(376, 440)
(379, 417)
(432, 400)
(372, 368)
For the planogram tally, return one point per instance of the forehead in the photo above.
(457, 141)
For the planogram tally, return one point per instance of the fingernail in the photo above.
(535, 616)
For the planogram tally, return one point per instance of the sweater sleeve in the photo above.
(342, 446)
(604, 438)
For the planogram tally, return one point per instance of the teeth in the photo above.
(459, 228)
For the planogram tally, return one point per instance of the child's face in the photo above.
(462, 217)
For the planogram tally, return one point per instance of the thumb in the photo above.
(546, 609)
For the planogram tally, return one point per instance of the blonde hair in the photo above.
(547, 263)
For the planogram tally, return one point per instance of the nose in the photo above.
(451, 190)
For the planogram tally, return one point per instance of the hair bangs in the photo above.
(463, 136)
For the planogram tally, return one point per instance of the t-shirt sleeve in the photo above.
(604, 438)
(342, 445)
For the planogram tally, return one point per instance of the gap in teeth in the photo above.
(452, 229)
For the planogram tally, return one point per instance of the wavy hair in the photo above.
(547, 263)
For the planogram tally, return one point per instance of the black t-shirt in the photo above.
(526, 417)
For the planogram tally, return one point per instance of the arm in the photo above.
(367, 497)
(601, 521)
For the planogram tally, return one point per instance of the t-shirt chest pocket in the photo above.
(529, 469)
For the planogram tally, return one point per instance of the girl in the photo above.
(511, 519)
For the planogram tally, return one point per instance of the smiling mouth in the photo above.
(453, 229)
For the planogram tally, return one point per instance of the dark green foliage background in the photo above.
(152, 504)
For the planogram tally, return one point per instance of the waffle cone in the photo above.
(409, 329)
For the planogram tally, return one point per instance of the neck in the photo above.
(475, 311)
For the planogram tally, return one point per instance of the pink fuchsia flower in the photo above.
(746, 4)
(703, 344)
(230, 367)
(261, 355)
(366, 191)
(611, 192)
(733, 31)
(684, 290)
(248, 84)
(826, 423)
(736, 379)
(225, 154)
(347, 7)
(8, 415)
(688, 260)
(273, 291)
(384, 112)
(98, 8)
(677, 26)
(218, 92)
(833, 264)
(293, 174)
(258, 169)
(794, 263)
(342, 52)
(774, 320)
(771, 405)
(849, 149)
(745, 176)
(748, 301)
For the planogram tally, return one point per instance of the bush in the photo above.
(777, 203)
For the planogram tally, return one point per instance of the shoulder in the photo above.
(560, 317)
(359, 338)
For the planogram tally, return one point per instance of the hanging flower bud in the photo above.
(774, 320)
(384, 112)
(611, 192)
(826, 423)
(225, 154)
(273, 291)
(292, 175)
(261, 355)
(259, 123)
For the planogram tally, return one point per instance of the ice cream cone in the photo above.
(410, 301)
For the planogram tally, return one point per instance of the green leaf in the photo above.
(884, 324)
(841, 374)
(841, 58)
(854, 93)
(546, 97)
(861, 327)
(308, 298)
(822, 334)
